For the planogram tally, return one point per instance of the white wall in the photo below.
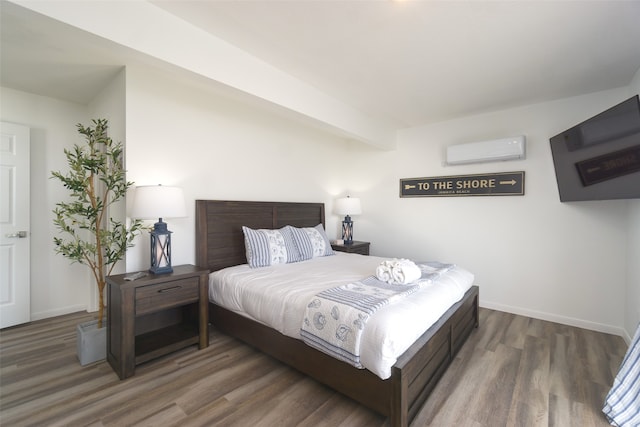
(632, 309)
(531, 254)
(182, 133)
(57, 287)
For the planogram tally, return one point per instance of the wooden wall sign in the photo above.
(491, 184)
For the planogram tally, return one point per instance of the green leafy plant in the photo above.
(96, 180)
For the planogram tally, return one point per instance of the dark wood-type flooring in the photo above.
(513, 371)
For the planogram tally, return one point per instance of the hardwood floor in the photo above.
(513, 371)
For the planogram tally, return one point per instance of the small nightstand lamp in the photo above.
(159, 201)
(348, 206)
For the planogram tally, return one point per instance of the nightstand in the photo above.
(155, 315)
(356, 247)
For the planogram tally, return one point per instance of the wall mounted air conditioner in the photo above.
(487, 151)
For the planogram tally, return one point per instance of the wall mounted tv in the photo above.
(599, 159)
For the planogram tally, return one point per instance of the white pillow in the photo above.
(312, 241)
(268, 247)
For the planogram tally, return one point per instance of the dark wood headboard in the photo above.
(219, 238)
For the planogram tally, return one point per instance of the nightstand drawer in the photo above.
(166, 295)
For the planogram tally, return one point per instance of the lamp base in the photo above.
(161, 270)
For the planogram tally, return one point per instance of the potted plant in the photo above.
(95, 180)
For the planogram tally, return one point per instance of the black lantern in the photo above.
(160, 248)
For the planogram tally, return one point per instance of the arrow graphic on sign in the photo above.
(512, 182)
(409, 186)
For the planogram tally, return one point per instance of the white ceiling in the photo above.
(407, 63)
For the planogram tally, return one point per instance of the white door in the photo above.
(15, 306)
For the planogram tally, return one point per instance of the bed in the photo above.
(220, 244)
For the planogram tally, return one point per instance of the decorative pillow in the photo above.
(268, 247)
(312, 242)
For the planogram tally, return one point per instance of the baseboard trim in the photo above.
(57, 312)
(565, 320)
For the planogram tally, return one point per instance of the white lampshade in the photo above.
(158, 201)
(348, 206)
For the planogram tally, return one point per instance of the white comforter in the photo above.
(277, 296)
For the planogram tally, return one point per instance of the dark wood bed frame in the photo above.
(220, 244)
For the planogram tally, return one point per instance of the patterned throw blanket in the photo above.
(335, 319)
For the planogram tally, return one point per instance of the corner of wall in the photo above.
(110, 104)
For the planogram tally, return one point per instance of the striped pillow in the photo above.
(312, 241)
(269, 247)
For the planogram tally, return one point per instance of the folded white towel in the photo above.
(405, 271)
(383, 272)
(398, 271)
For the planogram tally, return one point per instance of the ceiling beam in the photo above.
(141, 26)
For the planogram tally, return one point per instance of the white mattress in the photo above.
(277, 296)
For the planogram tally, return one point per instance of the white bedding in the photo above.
(277, 296)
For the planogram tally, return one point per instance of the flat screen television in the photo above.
(599, 159)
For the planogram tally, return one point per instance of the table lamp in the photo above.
(159, 201)
(348, 206)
